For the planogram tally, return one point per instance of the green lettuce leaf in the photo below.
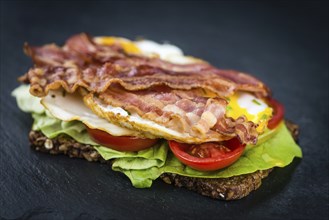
(279, 151)
(147, 165)
(52, 127)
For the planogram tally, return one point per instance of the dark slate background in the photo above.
(283, 43)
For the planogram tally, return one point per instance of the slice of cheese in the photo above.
(69, 107)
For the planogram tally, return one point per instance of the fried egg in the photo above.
(255, 109)
(167, 52)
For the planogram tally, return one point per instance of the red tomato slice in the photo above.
(278, 113)
(208, 156)
(120, 143)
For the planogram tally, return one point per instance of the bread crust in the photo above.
(231, 188)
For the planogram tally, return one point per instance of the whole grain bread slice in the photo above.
(231, 188)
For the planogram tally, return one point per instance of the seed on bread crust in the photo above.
(64, 144)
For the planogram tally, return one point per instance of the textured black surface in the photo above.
(284, 44)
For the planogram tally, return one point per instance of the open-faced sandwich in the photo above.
(152, 112)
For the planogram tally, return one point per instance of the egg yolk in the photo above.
(255, 110)
(127, 45)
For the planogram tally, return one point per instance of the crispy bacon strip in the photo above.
(82, 63)
(100, 79)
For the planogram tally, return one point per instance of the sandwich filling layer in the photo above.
(143, 167)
